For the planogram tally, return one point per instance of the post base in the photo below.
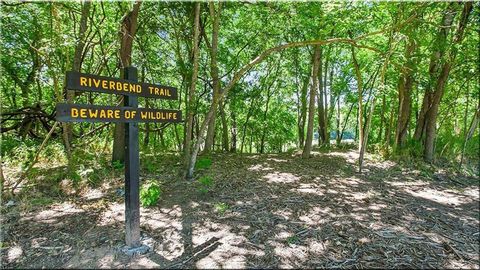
(147, 244)
(130, 251)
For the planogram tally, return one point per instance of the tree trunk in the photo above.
(338, 138)
(439, 89)
(215, 15)
(233, 147)
(77, 60)
(311, 108)
(404, 88)
(224, 127)
(128, 29)
(471, 130)
(382, 118)
(439, 49)
(326, 134)
(191, 94)
(360, 98)
(320, 103)
(303, 111)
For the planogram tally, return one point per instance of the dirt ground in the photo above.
(263, 211)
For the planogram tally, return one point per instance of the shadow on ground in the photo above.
(264, 211)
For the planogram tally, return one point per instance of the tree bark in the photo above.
(77, 60)
(303, 111)
(404, 88)
(127, 33)
(224, 127)
(191, 94)
(311, 107)
(215, 15)
(439, 89)
(338, 120)
(320, 102)
(360, 98)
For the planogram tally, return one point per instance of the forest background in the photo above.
(399, 80)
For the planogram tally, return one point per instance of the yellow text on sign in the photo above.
(95, 113)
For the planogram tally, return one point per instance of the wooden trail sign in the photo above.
(93, 113)
(129, 114)
(94, 83)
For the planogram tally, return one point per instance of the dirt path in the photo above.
(263, 211)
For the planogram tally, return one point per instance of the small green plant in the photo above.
(292, 240)
(206, 182)
(203, 163)
(117, 165)
(221, 208)
(149, 194)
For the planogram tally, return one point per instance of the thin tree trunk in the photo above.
(338, 139)
(224, 127)
(360, 98)
(382, 118)
(320, 103)
(303, 111)
(191, 93)
(77, 60)
(311, 108)
(346, 121)
(471, 130)
(233, 147)
(128, 30)
(404, 88)
(215, 15)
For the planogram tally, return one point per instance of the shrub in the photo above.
(149, 194)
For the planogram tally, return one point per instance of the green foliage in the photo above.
(203, 163)
(117, 165)
(150, 193)
(205, 184)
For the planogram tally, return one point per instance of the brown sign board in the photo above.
(93, 83)
(93, 113)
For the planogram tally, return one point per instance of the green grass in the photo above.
(205, 183)
(203, 163)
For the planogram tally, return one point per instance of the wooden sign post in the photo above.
(129, 114)
(132, 166)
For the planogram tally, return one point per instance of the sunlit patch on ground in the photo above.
(54, 214)
(279, 177)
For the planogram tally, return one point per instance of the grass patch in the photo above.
(205, 184)
(203, 163)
